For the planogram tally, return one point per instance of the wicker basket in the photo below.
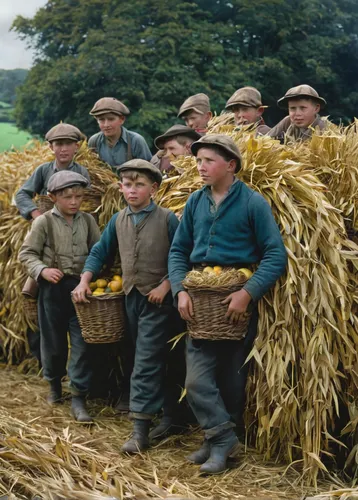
(44, 204)
(102, 320)
(209, 315)
(31, 313)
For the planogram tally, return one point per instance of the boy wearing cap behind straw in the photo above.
(303, 104)
(54, 253)
(114, 143)
(63, 140)
(246, 104)
(196, 113)
(176, 141)
(228, 224)
(142, 234)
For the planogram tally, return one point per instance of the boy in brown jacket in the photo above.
(247, 107)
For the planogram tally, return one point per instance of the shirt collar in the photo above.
(147, 209)
(207, 189)
(70, 166)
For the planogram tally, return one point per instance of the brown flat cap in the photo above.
(174, 131)
(64, 131)
(142, 165)
(301, 91)
(246, 96)
(109, 105)
(65, 179)
(221, 141)
(198, 102)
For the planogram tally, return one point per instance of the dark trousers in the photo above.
(150, 329)
(216, 379)
(57, 316)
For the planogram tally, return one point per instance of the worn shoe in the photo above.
(139, 440)
(55, 396)
(201, 455)
(223, 445)
(79, 410)
(162, 429)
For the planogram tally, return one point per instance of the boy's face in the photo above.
(138, 192)
(110, 124)
(213, 168)
(302, 112)
(244, 115)
(68, 201)
(197, 121)
(64, 150)
(173, 148)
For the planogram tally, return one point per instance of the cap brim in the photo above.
(65, 137)
(283, 102)
(158, 177)
(161, 140)
(198, 145)
(69, 185)
(229, 106)
(105, 111)
(192, 108)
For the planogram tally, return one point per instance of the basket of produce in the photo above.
(44, 204)
(103, 319)
(30, 311)
(207, 289)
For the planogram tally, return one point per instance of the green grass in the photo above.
(11, 136)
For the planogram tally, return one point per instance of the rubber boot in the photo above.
(139, 440)
(55, 396)
(79, 410)
(162, 429)
(201, 455)
(222, 446)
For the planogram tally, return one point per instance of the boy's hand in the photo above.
(185, 306)
(157, 295)
(238, 303)
(52, 274)
(81, 292)
(35, 213)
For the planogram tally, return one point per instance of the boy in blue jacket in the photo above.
(228, 224)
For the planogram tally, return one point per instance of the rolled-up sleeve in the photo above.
(24, 196)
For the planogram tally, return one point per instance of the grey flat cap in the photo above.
(301, 91)
(64, 131)
(198, 102)
(65, 179)
(174, 131)
(246, 96)
(222, 141)
(142, 165)
(109, 105)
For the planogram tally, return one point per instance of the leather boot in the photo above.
(55, 396)
(79, 410)
(222, 446)
(201, 455)
(139, 440)
(162, 429)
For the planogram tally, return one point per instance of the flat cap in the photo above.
(246, 96)
(220, 141)
(64, 131)
(65, 179)
(301, 91)
(109, 105)
(142, 166)
(174, 131)
(198, 102)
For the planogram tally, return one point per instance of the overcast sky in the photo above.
(13, 52)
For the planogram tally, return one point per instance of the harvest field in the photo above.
(12, 137)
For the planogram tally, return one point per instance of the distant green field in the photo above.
(11, 136)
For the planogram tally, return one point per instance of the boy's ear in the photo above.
(260, 110)
(120, 184)
(50, 146)
(52, 197)
(232, 166)
(155, 187)
(318, 107)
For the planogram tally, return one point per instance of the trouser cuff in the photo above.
(218, 429)
(140, 416)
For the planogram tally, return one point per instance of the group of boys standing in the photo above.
(225, 223)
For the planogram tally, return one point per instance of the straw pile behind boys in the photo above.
(305, 357)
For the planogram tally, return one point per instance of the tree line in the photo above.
(152, 54)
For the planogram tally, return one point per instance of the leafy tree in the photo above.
(152, 54)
